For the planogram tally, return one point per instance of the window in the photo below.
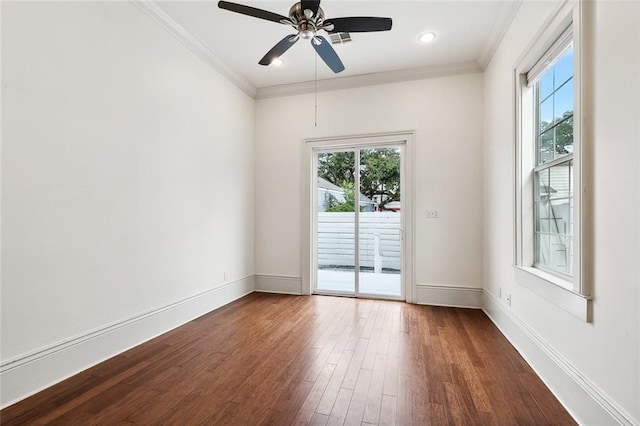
(553, 171)
(551, 162)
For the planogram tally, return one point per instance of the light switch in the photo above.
(432, 214)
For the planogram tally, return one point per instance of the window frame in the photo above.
(573, 294)
(544, 64)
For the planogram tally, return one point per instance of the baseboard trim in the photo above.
(459, 297)
(278, 284)
(28, 374)
(588, 404)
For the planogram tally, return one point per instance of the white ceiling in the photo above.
(467, 34)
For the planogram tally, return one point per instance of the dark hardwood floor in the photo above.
(274, 359)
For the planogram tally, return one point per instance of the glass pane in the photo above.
(563, 69)
(336, 222)
(554, 217)
(542, 217)
(542, 185)
(563, 102)
(559, 217)
(380, 222)
(546, 149)
(546, 84)
(564, 137)
(560, 253)
(555, 110)
(559, 181)
(542, 249)
(545, 118)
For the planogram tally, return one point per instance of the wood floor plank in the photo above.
(315, 395)
(353, 370)
(325, 406)
(404, 405)
(319, 419)
(279, 360)
(388, 411)
(359, 398)
(374, 395)
(340, 407)
(391, 370)
(286, 407)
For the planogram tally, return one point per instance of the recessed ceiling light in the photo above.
(427, 37)
(277, 62)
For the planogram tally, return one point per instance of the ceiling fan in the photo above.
(307, 18)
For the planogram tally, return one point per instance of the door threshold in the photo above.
(360, 296)
(333, 293)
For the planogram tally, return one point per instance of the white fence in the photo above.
(379, 240)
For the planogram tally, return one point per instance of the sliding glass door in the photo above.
(358, 221)
(380, 224)
(336, 222)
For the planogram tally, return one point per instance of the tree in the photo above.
(379, 173)
(336, 167)
(563, 130)
(349, 203)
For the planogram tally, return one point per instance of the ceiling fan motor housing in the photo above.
(305, 21)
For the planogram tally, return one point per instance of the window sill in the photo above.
(555, 290)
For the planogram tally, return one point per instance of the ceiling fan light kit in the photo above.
(307, 18)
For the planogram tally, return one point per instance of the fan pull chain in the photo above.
(315, 90)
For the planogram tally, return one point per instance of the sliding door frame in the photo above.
(402, 139)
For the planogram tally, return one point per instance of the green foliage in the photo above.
(379, 175)
(349, 203)
(336, 167)
(563, 132)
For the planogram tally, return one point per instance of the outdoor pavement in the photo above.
(386, 284)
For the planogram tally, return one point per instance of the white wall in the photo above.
(128, 176)
(604, 354)
(447, 117)
(127, 173)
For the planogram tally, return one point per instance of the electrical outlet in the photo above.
(432, 214)
(225, 275)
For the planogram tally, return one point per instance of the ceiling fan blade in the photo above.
(328, 55)
(277, 50)
(311, 5)
(251, 11)
(358, 24)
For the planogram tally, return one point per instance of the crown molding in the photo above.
(422, 73)
(197, 46)
(506, 13)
